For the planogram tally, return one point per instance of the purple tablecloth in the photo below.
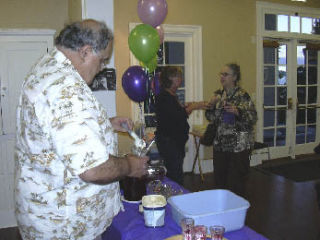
(129, 225)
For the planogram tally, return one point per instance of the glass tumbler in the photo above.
(217, 232)
(187, 225)
(200, 232)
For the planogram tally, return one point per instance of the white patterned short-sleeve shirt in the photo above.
(62, 131)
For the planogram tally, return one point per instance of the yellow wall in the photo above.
(50, 14)
(75, 10)
(228, 28)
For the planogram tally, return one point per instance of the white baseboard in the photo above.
(7, 219)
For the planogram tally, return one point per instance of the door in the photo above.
(17, 55)
(290, 96)
(288, 40)
(182, 47)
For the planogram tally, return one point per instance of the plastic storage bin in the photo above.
(211, 207)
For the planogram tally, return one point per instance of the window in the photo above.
(292, 24)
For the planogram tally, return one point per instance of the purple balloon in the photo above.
(156, 84)
(152, 12)
(134, 83)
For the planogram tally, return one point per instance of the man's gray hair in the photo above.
(78, 34)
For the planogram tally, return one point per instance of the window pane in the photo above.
(270, 22)
(269, 75)
(306, 25)
(281, 117)
(301, 93)
(269, 96)
(160, 55)
(174, 52)
(282, 54)
(311, 133)
(301, 116)
(180, 95)
(312, 75)
(316, 26)
(311, 115)
(283, 23)
(268, 118)
(301, 75)
(281, 137)
(313, 57)
(301, 55)
(282, 96)
(282, 75)
(300, 135)
(150, 121)
(295, 24)
(269, 55)
(149, 106)
(312, 95)
(268, 137)
(183, 78)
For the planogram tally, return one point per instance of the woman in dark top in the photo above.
(172, 125)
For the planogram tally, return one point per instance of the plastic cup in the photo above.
(200, 232)
(228, 118)
(187, 225)
(217, 232)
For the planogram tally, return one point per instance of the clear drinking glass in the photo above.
(200, 232)
(217, 232)
(187, 225)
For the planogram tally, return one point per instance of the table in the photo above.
(129, 225)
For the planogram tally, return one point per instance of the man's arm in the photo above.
(116, 168)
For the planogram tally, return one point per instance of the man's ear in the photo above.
(85, 51)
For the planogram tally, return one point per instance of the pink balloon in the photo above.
(152, 12)
(160, 32)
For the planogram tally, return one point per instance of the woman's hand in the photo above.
(121, 124)
(196, 106)
(228, 107)
(214, 99)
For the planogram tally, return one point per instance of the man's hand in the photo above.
(118, 123)
(137, 165)
(116, 168)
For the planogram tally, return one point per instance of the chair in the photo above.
(196, 138)
(260, 146)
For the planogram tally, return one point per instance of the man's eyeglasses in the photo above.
(224, 74)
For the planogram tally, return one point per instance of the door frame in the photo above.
(261, 9)
(192, 36)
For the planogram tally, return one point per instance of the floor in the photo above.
(280, 208)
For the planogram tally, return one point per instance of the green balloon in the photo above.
(144, 42)
(151, 65)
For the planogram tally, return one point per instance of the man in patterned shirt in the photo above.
(67, 171)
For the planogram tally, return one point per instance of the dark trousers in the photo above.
(173, 153)
(231, 170)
